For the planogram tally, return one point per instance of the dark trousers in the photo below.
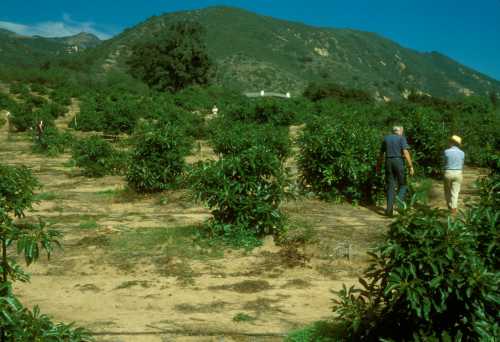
(395, 179)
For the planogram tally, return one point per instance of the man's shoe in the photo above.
(388, 213)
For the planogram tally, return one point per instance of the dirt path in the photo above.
(73, 109)
(132, 270)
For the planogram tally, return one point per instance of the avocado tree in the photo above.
(172, 59)
(17, 323)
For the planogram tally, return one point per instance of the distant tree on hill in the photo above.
(173, 58)
(493, 98)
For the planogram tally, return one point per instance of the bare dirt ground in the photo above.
(131, 268)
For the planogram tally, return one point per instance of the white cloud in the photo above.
(66, 27)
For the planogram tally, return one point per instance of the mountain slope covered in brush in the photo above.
(254, 52)
(19, 50)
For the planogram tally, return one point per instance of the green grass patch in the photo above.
(45, 196)
(182, 242)
(317, 332)
(88, 224)
(108, 193)
(73, 219)
(243, 317)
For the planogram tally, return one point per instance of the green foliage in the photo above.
(261, 111)
(110, 111)
(52, 142)
(428, 137)
(25, 116)
(17, 185)
(34, 100)
(337, 159)
(243, 317)
(90, 117)
(244, 192)
(22, 117)
(161, 107)
(6, 102)
(158, 157)
(61, 95)
(473, 118)
(19, 88)
(318, 332)
(25, 325)
(173, 58)
(55, 109)
(120, 113)
(38, 88)
(317, 91)
(96, 157)
(433, 279)
(16, 190)
(483, 219)
(231, 138)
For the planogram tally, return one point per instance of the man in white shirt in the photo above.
(453, 166)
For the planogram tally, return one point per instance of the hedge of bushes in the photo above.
(52, 142)
(231, 138)
(97, 157)
(157, 159)
(337, 160)
(244, 192)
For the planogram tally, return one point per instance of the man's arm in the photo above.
(407, 156)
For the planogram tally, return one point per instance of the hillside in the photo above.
(254, 52)
(21, 50)
(257, 52)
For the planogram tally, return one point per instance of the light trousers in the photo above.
(452, 183)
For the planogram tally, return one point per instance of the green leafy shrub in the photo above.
(473, 118)
(109, 112)
(158, 156)
(261, 111)
(428, 137)
(162, 108)
(52, 142)
(22, 117)
(61, 96)
(244, 192)
(38, 88)
(120, 113)
(25, 117)
(480, 137)
(429, 281)
(483, 218)
(90, 117)
(55, 110)
(337, 159)
(93, 156)
(19, 89)
(231, 138)
(17, 323)
(6, 102)
(35, 100)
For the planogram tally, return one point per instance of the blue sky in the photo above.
(467, 31)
